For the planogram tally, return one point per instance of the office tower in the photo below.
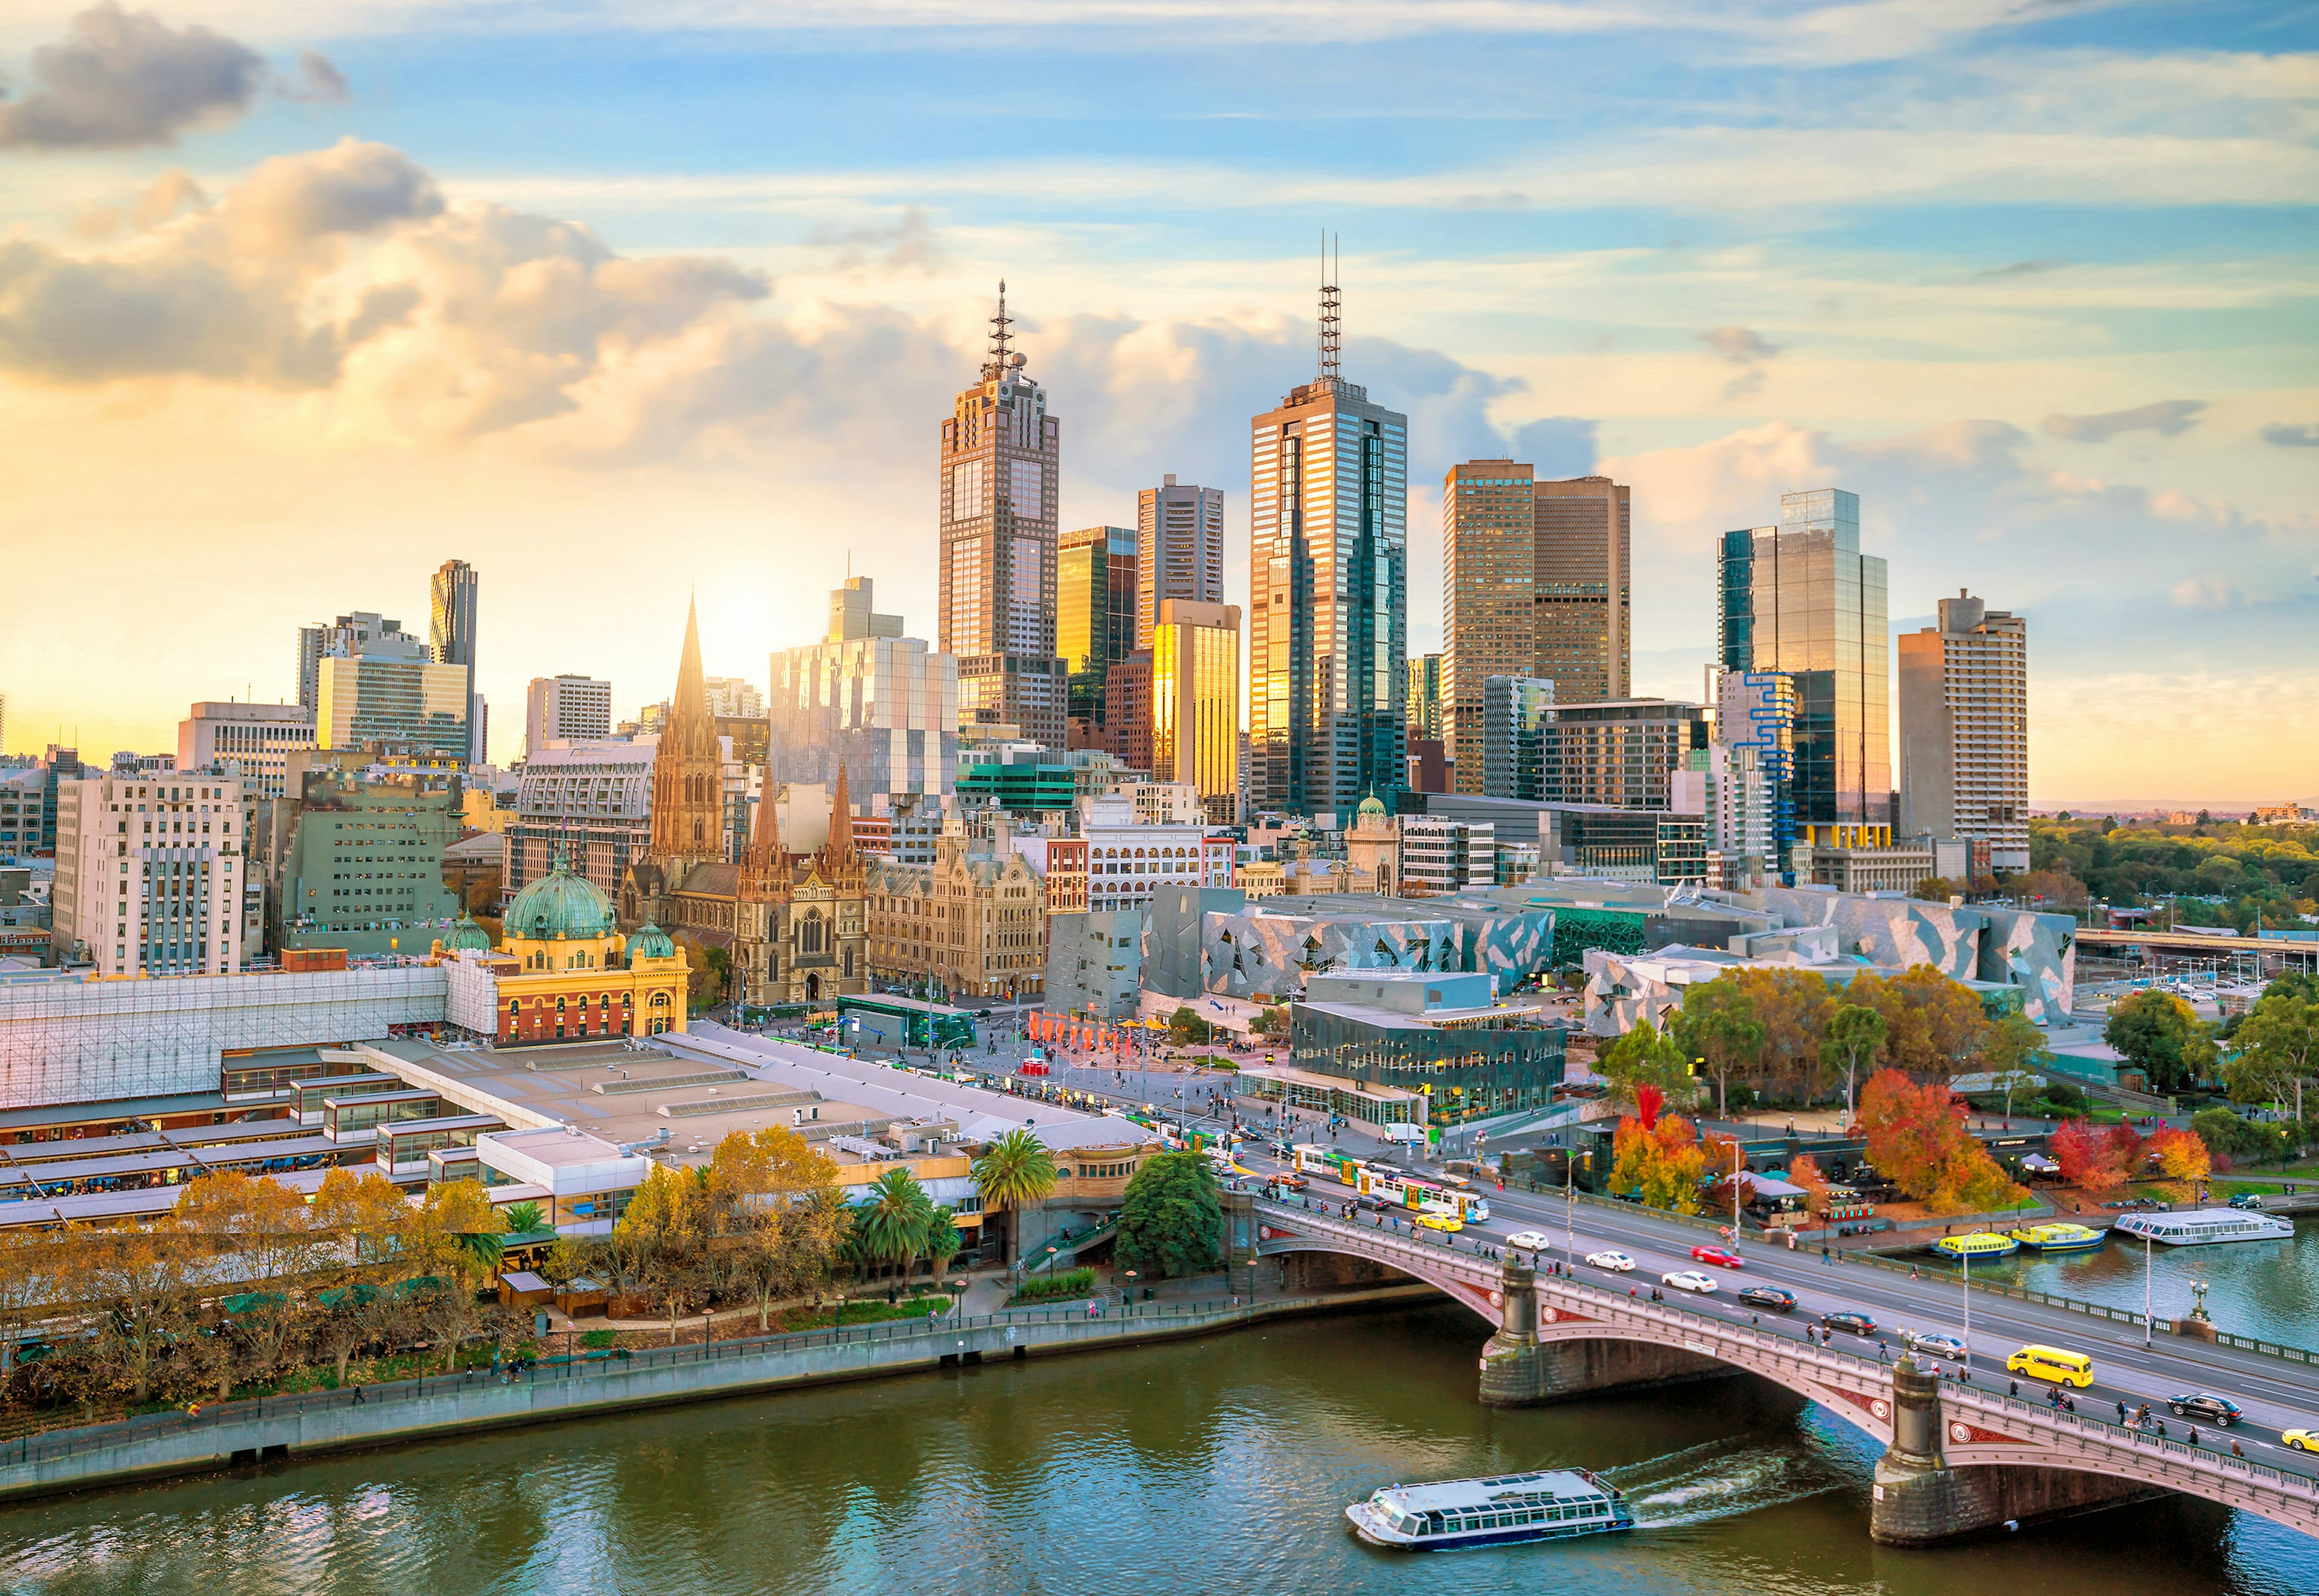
(1179, 550)
(1001, 454)
(1423, 712)
(1440, 856)
(1489, 545)
(451, 634)
(882, 706)
(388, 690)
(565, 709)
(346, 636)
(1195, 703)
(1096, 587)
(1801, 599)
(1965, 730)
(1580, 588)
(1625, 754)
(256, 739)
(1328, 567)
(149, 874)
(362, 867)
(1756, 718)
(1515, 712)
(736, 698)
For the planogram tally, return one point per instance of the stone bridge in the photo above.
(1957, 1459)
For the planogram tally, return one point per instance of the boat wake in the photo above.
(1716, 1480)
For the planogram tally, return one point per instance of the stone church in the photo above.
(793, 926)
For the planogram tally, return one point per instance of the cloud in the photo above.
(2305, 436)
(2204, 593)
(1558, 446)
(318, 83)
(123, 81)
(1746, 350)
(906, 244)
(2168, 417)
(2020, 269)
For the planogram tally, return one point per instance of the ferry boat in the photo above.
(2198, 1227)
(1553, 1504)
(1981, 1244)
(2061, 1237)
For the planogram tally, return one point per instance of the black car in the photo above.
(1851, 1324)
(1778, 1298)
(2206, 1405)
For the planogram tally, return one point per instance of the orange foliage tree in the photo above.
(1917, 1139)
(2181, 1157)
(1660, 1165)
(1933, 1026)
(2092, 1160)
(1803, 1172)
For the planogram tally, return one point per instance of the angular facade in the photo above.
(1204, 941)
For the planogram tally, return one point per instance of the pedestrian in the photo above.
(1880, 1352)
(359, 1397)
(2013, 1388)
(2194, 1435)
(2069, 1403)
(2234, 1450)
(2121, 1412)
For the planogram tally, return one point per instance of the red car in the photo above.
(1722, 1256)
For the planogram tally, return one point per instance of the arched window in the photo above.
(809, 933)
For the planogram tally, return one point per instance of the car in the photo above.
(1850, 1322)
(1612, 1259)
(2299, 1440)
(1722, 1257)
(2247, 1200)
(1440, 1222)
(1280, 1150)
(2205, 1404)
(1374, 1204)
(1688, 1280)
(1938, 1346)
(1531, 1240)
(1778, 1298)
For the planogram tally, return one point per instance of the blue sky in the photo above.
(2034, 278)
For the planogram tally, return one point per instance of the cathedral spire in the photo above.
(841, 820)
(690, 709)
(765, 867)
(688, 804)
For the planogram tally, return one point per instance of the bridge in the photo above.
(1958, 1459)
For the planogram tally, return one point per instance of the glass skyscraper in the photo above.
(1801, 599)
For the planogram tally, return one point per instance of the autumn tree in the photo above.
(1855, 1033)
(1793, 1006)
(140, 1285)
(1933, 1026)
(31, 1271)
(1804, 1174)
(1645, 1058)
(2181, 1157)
(1661, 1166)
(261, 1230)
(784, 1221)
(2091, 1160)
(1917, 1139)
(1716, 1028)
(2159, 1034)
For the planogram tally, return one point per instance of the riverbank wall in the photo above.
(230, 1434)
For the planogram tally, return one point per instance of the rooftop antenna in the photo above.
(1329, 337)
(998, 334)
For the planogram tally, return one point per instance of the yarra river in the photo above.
(1185, 1467)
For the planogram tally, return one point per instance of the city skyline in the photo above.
(1992, 345)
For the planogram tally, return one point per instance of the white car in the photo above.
(1688, 1280)
(1611, 1260)
(1529, 1241)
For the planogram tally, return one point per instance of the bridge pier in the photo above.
(1519, 1370)
(1919, 1501)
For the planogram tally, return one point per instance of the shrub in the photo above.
(1043, 1288)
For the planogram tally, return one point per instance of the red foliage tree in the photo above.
(2090, 1159)
(1917, 1138)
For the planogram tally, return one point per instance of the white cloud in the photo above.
(2168, 417)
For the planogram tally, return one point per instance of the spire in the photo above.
(687, 712)
(765, 866)
(841, 819)
(1001, 358)
(1330, 335)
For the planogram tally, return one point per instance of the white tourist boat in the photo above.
(2198, 1227)
(1553, 1504)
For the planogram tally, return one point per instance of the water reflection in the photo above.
(2259, 1289)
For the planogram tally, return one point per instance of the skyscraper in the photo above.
(346, 636)
(1095, 625)
(1423, 711)
(1800, 598)
(1001, 454)
(869, 702)
(1489, 546)
(385, 689)
(565, 709)
(1179, 550)
(1195, 703)
(1580, 588)
(1965, 730)
(1328, 570)
(451, 634)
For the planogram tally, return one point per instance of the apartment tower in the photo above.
(1965, 730)
(1179, 550)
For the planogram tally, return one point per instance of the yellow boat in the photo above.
(2061, 1237)
(1981, 1244)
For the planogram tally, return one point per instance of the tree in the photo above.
(892, 1222)
(2237, 1141)
(140, 1285)
(1171, 1220)
(1917, 1139)
(1793, 1006)
(1661, 1166)
(661, 1236)
(1014, 1170)
(1803, 1172)
(2158, 1034)
(1642, 1057)
(31, 1268)
(2012, 1042)
(366, 1212)
(2181, 1157)
(523, 1219)
(1717, 1027)
(1936, 889)
(1272, 1022)
(2278, 1050)
(1185, 1025)
(1857, 1033)
(943, 1243)
(2090, 1160)
(262, 1229)
(1933, 1026)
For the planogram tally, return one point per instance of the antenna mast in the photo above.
(998, 335)
(1330, 335)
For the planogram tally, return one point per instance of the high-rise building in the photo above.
(150, 874)
(1580, 588)
(347, 635)
(1195, 703)
(1515, 713)
(737, 698)
(1801, 599)
(1424, 710)
(1624, 754)
(363, 870)
(1328, 574)
(1441, 856)
(451, 634)
(256, 739)
(1001, 458)
(1755, 719)
(1095, 624)
(565, 709)
(388, 690)
(1489, 545)
(1965, 730)
(882, 705)
(1179, 550)
(591, 802)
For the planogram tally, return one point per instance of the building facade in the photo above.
(1516, 711)
(256, 739)
(1195, 703)
(1439, 857)
(451, 594)
(1179, 550)
(562, 971)
(1965, 730)
(1001, 458)
(1095, 625)
(149, 875)
(884, 706)
(1128, 859)
(1489, 547)
(363, 870)
(1582, 583)
(1423, 711)
(350, 634)
(973, 923)
(391, 692)
(565, 709)
(593, 800)
(1329, 580)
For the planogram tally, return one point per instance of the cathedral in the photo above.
(793, 926)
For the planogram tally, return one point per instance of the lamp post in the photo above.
(2145, 1288)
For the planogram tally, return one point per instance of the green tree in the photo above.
(1171, 1220)
(2278, 1050)
(1936, 889)
(1716, 1028)
(1645, 1058)
(1185, 1025)
(1272, 1022)
(893, 1222)
(1014, 1172)
(943, 1242)
(2158, 1034)
(1855, 1033)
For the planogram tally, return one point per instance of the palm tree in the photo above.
(893, 1223)
(523, 1217)
(1016, 1170)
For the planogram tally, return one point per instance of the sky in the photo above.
(623, 302)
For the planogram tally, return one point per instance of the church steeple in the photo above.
(688, 819)
(839, 862)
(765, 867)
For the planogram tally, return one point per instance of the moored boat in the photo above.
(1551, 1504)
(1979, 1244)
(2061, 1237)
(2198, 1227)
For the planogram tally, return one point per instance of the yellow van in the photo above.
(2052, 1363)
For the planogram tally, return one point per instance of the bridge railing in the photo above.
(1400, 1243)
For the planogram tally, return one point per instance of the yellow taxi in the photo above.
(1441, 1221)
(2299, 1440)
(2057, 1364)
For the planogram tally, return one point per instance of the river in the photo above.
(1216, 1467)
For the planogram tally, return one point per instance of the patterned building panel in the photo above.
(1893, 932)
(2037, 953)
(1257, 951)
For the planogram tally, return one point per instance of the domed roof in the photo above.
(650, 942)
(1372, 805)
(467, 934)
(560, 906)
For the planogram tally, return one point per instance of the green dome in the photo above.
(650, 942)
(1372, 805)
(467, 934)
(559, 907)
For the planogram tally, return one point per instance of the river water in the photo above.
(1185, 1467)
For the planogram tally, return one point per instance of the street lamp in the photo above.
(2145, 1288)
